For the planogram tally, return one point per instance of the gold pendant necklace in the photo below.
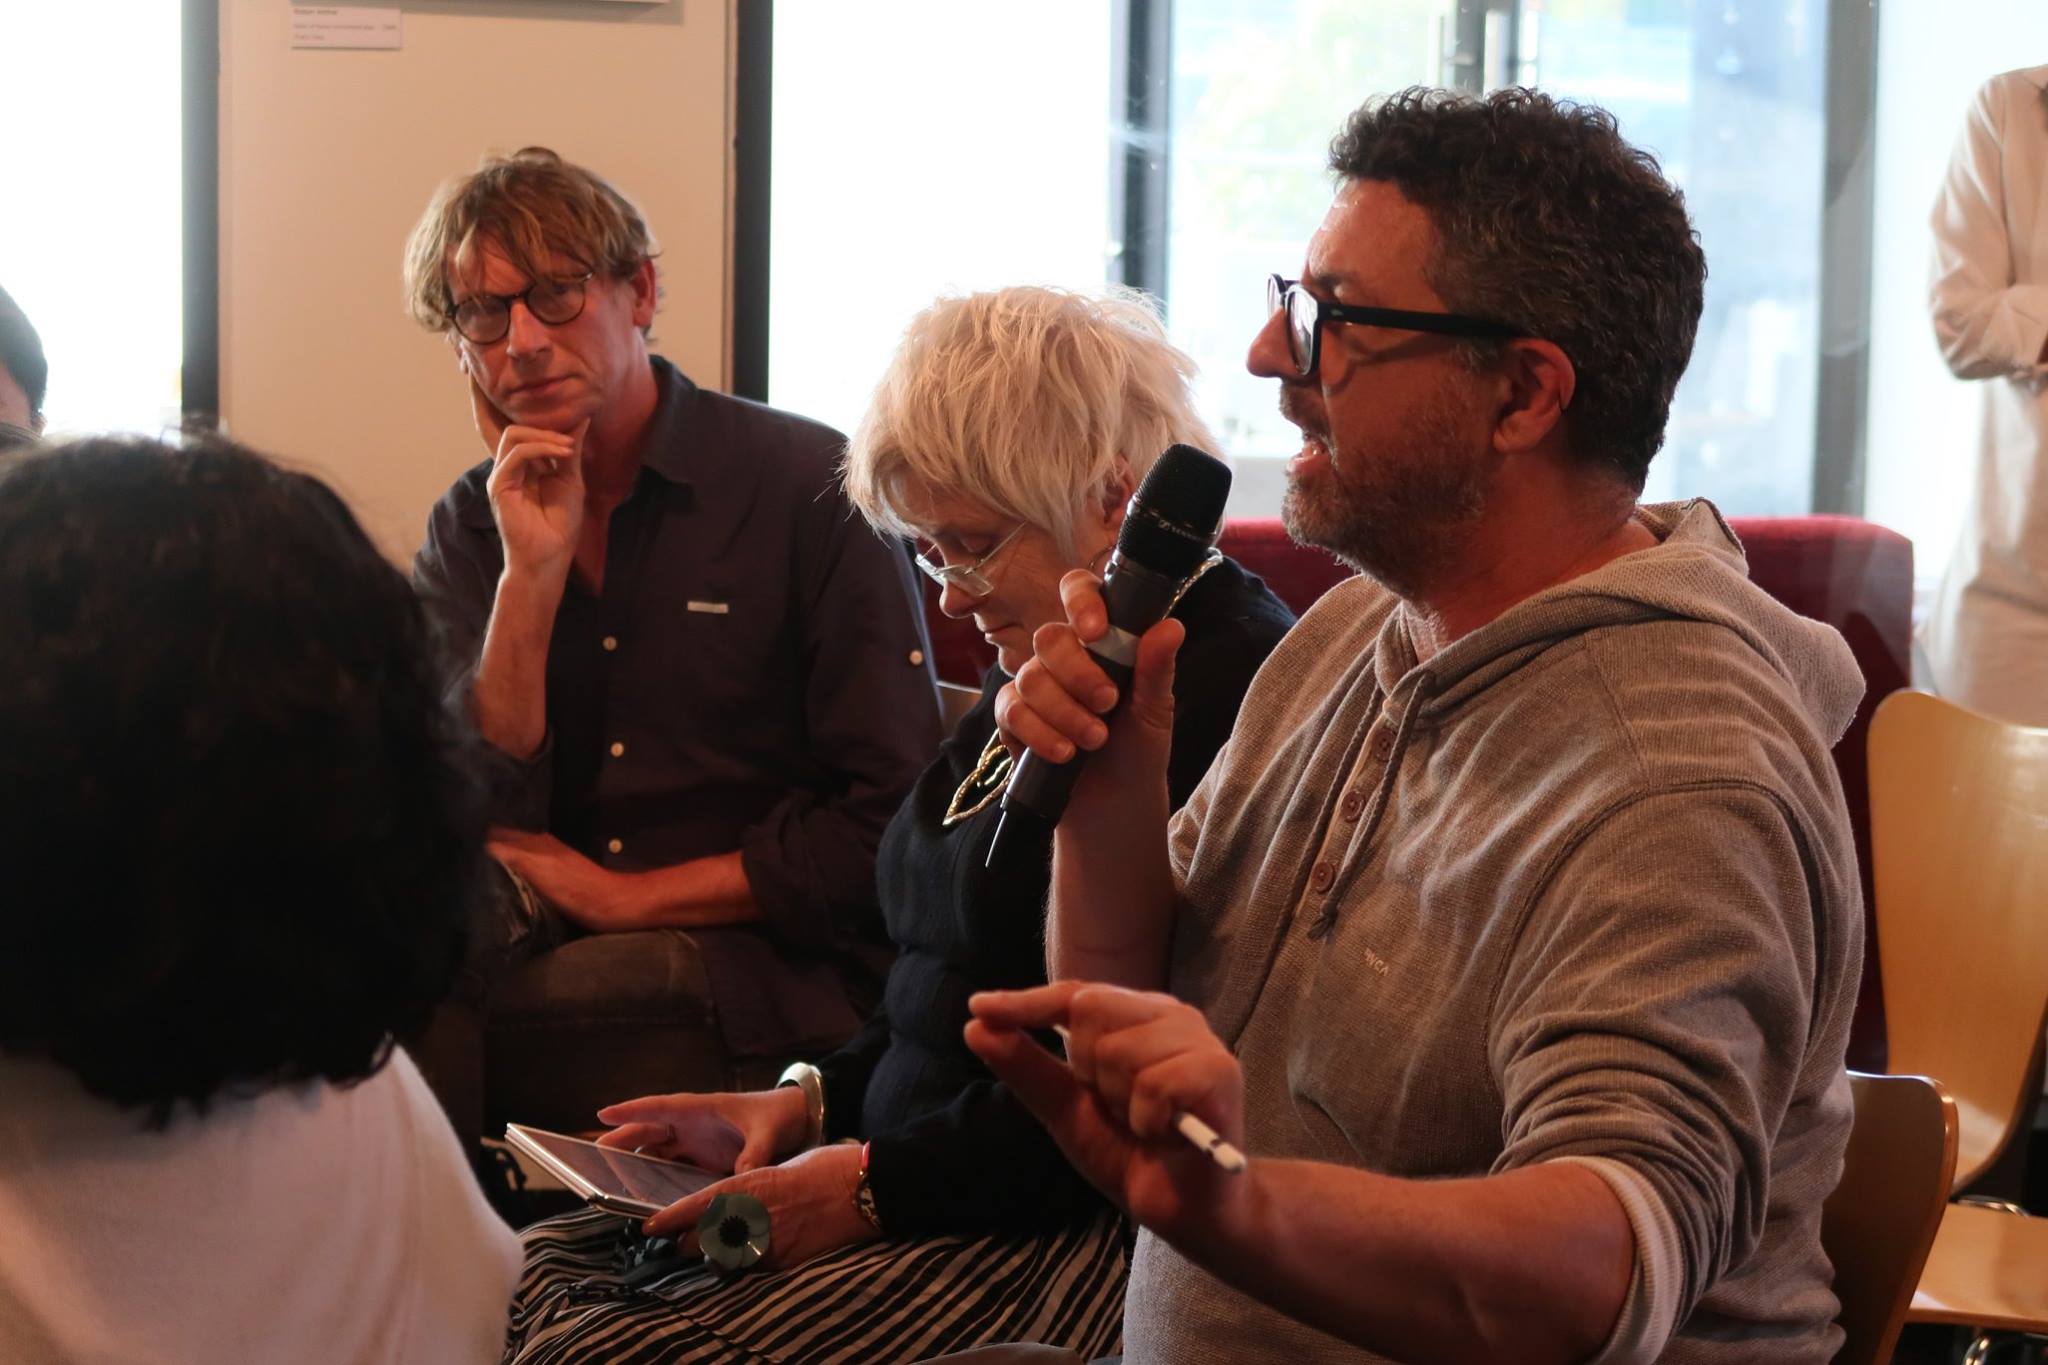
(983, 785)
(992, 769)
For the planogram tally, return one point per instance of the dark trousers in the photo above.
(547, 1024)
(512, 925)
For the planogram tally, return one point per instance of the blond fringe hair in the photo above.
(531, 205)
(1030, 401)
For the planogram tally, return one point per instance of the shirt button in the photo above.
(1353, 805)
(916, 657)
(611, 642)
(618, 749)
(616, 845)
(1382, 745)
(1320, 879)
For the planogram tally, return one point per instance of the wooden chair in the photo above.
(1959, 825)
(1880, 1221)
(1988, 1270)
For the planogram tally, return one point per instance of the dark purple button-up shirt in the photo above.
(752, 675)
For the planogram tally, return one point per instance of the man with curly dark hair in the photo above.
(1515, 932)
(241, 829)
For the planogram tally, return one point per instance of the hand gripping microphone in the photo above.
(1169, 529)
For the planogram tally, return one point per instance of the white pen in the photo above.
(1193, 1129)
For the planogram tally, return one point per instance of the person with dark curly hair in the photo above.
(242, 829)
(1514, 933)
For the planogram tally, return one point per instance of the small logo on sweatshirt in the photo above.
(1376, 962)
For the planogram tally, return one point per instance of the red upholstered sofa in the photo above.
(1856, 576)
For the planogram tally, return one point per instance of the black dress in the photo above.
(950, 1149)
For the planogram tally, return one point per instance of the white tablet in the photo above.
(610, 1179)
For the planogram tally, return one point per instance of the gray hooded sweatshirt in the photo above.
(1578, 887)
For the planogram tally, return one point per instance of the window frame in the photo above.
(1141, 101)
(199, 132)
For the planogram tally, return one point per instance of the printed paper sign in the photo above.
(356, 26)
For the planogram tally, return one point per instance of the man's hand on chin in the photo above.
(600, 900)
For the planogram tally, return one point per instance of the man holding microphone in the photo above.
(1514, 934)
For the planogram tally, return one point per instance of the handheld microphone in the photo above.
(1169, 529)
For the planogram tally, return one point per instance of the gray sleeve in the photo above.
(1656, 1012)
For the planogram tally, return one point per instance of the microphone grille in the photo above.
(1186, 488)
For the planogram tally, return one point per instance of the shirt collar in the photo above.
(663, 449)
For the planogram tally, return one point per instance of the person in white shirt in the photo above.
(242, 831)
(1986, 638)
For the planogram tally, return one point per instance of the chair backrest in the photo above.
(1959, 828)
(1878, 1224)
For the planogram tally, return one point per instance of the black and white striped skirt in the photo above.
(877, 1302)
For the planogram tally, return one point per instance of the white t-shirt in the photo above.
(306, 1224)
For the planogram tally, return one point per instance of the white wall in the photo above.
(1923, 422)
(327, 158)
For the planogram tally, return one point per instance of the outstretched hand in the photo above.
(1134, 1060)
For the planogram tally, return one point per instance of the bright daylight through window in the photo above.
(91, 242)
(999, 172)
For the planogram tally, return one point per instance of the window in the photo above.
(1728, 96)
(1258, 87)
(966, 147)
(91, 244)
(907, 163)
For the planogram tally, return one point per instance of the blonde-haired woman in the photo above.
(915, 1206)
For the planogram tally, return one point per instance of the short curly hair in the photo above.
(242, 827)
(1548, 221)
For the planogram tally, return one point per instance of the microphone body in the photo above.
(1168, 531)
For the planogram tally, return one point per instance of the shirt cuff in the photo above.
(845, 1078)
(1649, 1314)
(521, 789)
(794, 912)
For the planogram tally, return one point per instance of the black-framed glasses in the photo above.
(483, 319)
(1306, 315)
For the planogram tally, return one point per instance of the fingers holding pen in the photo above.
(1146, 1056)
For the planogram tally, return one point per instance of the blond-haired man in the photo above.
(705, 678)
